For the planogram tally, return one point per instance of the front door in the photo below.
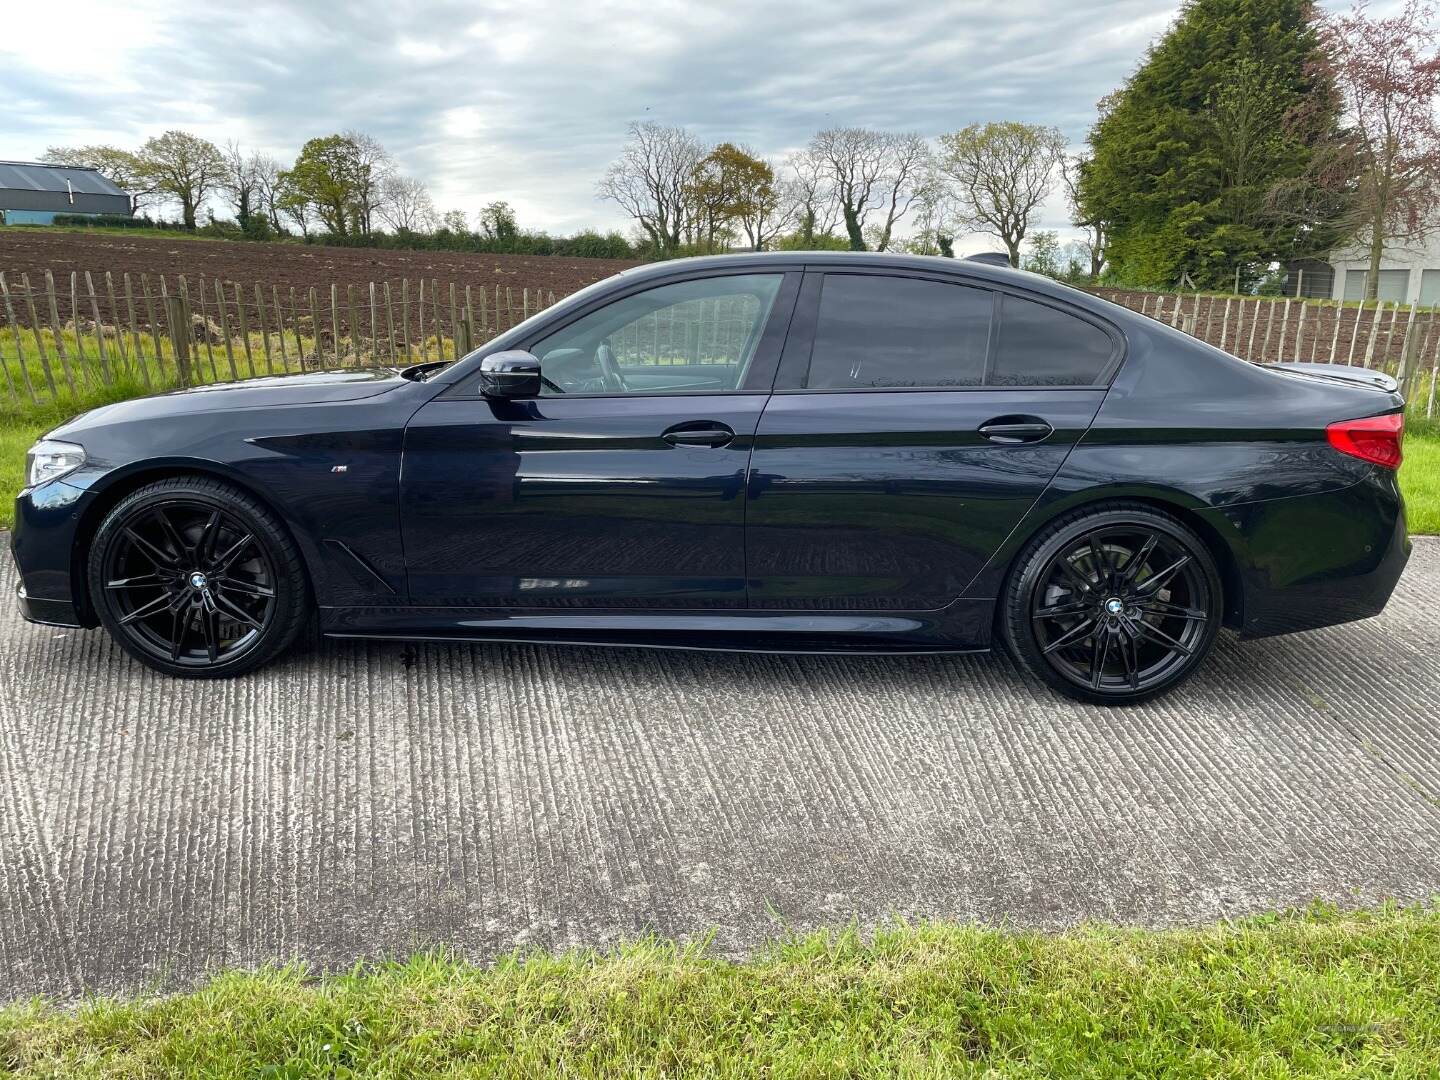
(622, 485)
(914, 423)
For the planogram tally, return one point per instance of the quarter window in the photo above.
(1040, 345)
(874, 331)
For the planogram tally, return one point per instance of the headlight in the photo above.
(50, 459)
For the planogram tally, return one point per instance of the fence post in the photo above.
(464, 336)
(1374, 332)
(179, 338)
(39, 341)
(19, 345)
(1408, 350)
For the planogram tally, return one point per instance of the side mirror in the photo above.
(510, 374)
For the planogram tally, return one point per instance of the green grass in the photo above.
(1318, 993)
(1420, 479)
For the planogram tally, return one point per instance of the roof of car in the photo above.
(871, 260)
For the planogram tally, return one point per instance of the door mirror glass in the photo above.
(510, 374)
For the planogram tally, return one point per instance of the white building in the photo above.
(1410, 275)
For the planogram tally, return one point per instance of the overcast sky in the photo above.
(528, 102)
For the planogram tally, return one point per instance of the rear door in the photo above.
(915, 421)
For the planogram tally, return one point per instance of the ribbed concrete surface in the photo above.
(372, 799)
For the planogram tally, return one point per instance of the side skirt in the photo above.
(962, 627)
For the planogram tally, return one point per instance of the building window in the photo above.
(1394, 285)
(1430, 288)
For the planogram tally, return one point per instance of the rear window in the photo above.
(1040, 345)
(875, 331)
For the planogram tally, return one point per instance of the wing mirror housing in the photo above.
(514, 373)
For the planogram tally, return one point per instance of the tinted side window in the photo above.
(890, 331)
(681, 338)
(1043, 346)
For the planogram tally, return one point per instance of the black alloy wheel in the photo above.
(1114, 606)
(193, 577)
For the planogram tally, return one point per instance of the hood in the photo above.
(304, 388)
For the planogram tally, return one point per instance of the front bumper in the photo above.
(47, 519)
(46, 612)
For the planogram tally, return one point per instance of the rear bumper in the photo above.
(1317, 560)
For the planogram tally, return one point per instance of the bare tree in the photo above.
(241, 181)
(870, 171)
(904, 179)
(405, 205)
(120, 166)
(1095, 226)
(1002, 172)
(809, 197)
(766, 211)
(650, 181)
(183, 166)
(269, 191)
(936, 219)
(372, 164)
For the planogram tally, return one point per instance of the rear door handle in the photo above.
(1010, 430)
(698, 433)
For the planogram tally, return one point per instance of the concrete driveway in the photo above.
(374, 799)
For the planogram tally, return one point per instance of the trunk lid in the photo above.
(1339, 373)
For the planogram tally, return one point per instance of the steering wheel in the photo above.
(610, 376)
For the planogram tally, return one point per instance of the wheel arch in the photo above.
(122, 483)
(1184, 508)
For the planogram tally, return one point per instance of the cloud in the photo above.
(529, 101)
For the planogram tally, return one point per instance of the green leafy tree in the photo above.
(183, 166)
(1228, 107)
(731, 187)
(327, 177)
(1044, 256)
(497, 222)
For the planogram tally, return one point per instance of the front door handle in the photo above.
(1011, 430)
(698, 433)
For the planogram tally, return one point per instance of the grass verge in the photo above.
(1315, 993)
(1420, 480)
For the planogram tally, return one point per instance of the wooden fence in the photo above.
(73, 337)
(1385, 336)
(67, 340)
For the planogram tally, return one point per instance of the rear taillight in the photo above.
(1375, 438)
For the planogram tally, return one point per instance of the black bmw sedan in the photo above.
(781, 452)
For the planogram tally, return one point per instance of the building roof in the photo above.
(33, 176)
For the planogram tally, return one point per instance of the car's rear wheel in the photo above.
(194, 577)
(1113, 604)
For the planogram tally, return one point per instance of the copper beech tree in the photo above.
(1387, 72)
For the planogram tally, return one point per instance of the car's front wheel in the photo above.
(1113, 604)
(195, 577)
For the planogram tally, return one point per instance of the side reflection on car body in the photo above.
(796, 452)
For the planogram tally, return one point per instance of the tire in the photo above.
(198, 579)
(1080, 612)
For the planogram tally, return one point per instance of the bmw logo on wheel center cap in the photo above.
(198, 580)
(1113, 606)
